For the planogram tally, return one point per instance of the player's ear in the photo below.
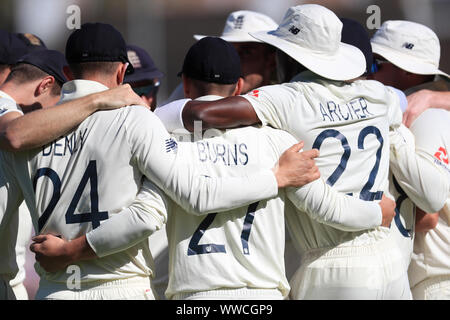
(68, 73)
(186, 86)
(45, 86)
(120, 74)
(239, 86)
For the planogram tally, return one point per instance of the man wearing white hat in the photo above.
(349, 121)
(257, 58)
(408, 57)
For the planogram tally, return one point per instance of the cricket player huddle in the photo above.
(308, 126)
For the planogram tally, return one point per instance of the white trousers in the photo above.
(136, 288)
(231, 294)
(435, 288)
(372, 271)
(20, 291)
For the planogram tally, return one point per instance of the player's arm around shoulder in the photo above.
(426, 221)
(7, 140)
(424, 182)
(39, 127)
(283, 143)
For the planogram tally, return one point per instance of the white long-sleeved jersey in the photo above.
(96, 170)
(237, 149)
(15, 226)
(431, 256)
(244, 247)
(349, 124)
(414, 180)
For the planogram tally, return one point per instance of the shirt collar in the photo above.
(6, 96)
(79, 88)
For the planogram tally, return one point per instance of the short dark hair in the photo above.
(81, 70)
(24, 73)
(208, 88)
(3, 67)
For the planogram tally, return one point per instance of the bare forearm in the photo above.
(425, 221)
(40, 127)
(225, 113)
(440, 100)
(79, 249)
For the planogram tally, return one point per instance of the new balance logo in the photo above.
(408, 45)
(294, 30)
(239, 22)
(171, 145)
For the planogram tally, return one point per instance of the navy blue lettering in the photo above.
(234, 155)
(355, 110)
(324, 113)
(68, 144)
(221, 154)
(201, 152)
(244, 153)
(44, 153)
(363, 104)
(56, 153)
(332, 110)
(340, 111)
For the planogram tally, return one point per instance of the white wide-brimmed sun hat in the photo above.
(240, 23)
(311, 34)
(408, 45)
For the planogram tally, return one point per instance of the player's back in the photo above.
(431, 257)
(82, 179)
(349, 124)
(240, 248)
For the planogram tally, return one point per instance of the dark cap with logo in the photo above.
(97, 42)
(15, 45)
(144, 67)
(212, 59)
(49, 61)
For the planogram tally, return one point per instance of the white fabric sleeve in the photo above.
(325, 205)
(155, 153)
(7, 106)
(402, 98)
(425, 183)
(171, 114)
(145, 215)
(393, 100)
(274, 105)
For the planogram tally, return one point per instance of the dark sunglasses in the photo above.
(147, 90)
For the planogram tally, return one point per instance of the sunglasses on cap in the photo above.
(147, 90)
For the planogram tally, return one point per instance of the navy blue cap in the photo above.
(144, 67)
(212, 59)
(353, 33)
(49, 61)
(15, 45)
(97, 42)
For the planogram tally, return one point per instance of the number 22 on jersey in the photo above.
(365, 193)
